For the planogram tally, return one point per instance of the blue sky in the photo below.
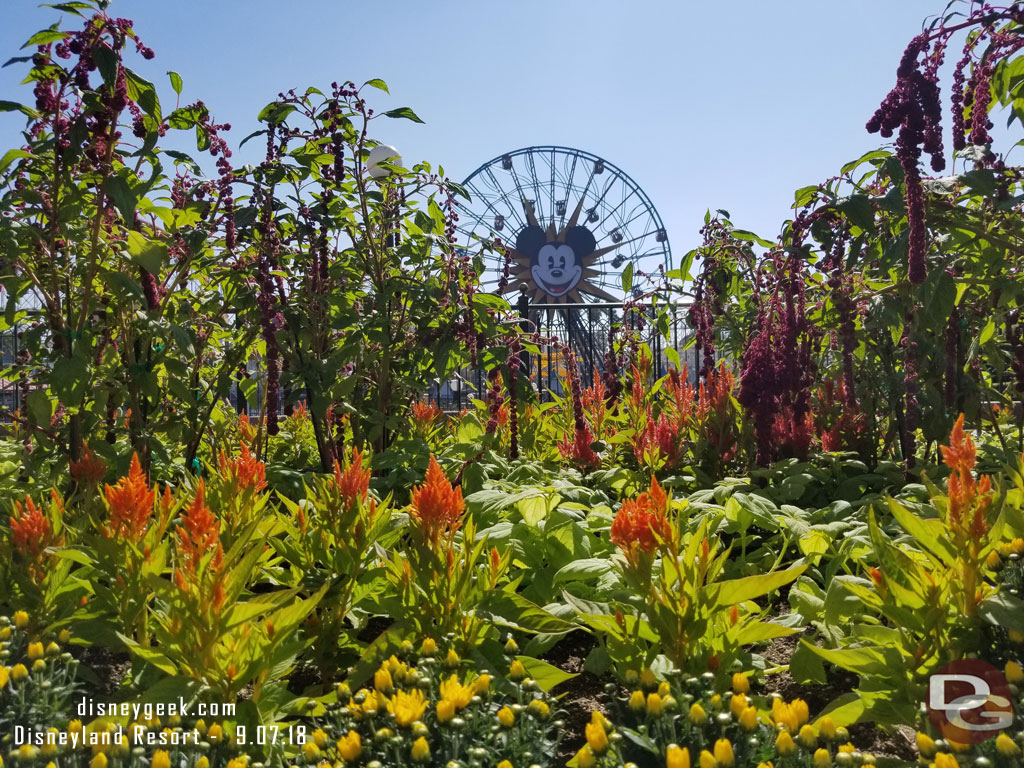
(705, 105)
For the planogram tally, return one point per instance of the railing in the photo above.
(584, 328)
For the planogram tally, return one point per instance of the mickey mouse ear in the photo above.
(530, 240)
(581, 240)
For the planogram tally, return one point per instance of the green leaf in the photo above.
(143, 92)
(275, 113)
(735, 591)
(405, 112)
(930, 534)
(1003, 610)
(378, 83)
(861, 661)
(13, 106)
(844, 710)
(146, 253)
(546, 675)
(175, 81)
(106, 62)
(11, 155)
(70, 379)
(51, 35)
(585, 569)
(124, 198)
(987, 332)
(627, 278)
(40, 407)
(859, 211)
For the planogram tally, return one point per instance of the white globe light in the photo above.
(382, 153)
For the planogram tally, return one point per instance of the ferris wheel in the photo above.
(568, 221)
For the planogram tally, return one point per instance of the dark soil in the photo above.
(579, 696)
(102, 670)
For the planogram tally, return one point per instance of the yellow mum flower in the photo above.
(99, 760)
(482, 685)
(748, 718)
(429, 647)
(505, 764)
(539, 709)
(597, 737)
(647, 679)
(161, 759)
(451, 660)
(407, 707)
(677, 757)
(1006, 746)
(310, 751)
(19, 672)
(506, 717)
(5, 675)
(350, 747)
(768, 764)
(925, 744)
(993, 560)
(516, 671)
(35, 651)
(214, 733)
(799, 707)
(822, 759)
(585, 758)
(944, 760)
(740, 683)
(420, 750)
(445, 710)
(460, 695)
(706, 760)
(827, 728)
(202, 762)
(382, 681)
(20, 619)
(664, 689)
(655, 706)
(848, 748)
(320, 737)
(737, 704)
(724, 754)
(637, 702)
(697, 714)
(808, 736)
(1014, 673)
(27, 753)
(784, 744)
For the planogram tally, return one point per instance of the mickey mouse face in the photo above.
(556, 267)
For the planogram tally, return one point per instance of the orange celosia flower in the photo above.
(578, 450)
(90, 468)
(425, 414)
(681, 393)
(595, 402)
(354, 483)
(969, 499)
(244, 473)
(199, 533)
(130, 504)
(436, 505)
(31, 532)
(245, 429)
(640, 519)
